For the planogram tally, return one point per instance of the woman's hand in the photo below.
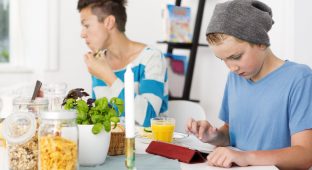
(226, 157)
(100, 68)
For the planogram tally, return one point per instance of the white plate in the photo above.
(179, 136)
(176, 137)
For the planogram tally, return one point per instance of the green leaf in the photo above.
(69, 104)
(78, 121)
(82, 106)
(97, 128)
(116, 101)
(101, 103)
(97, 118)
(115, 119)
(119, 101)
(85, 122)
(113, 100)
(107, 126)
(120, 109)
(112, 112)
(81, 115)
(106, 117)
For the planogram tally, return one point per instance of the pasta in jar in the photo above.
(58, 141)
(56, 152)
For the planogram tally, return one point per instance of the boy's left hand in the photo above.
(226, 157)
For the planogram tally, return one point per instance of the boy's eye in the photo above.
(85, 25)
(237, 57)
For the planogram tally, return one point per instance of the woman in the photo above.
(103, 28)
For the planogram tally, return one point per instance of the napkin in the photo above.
(172, 151)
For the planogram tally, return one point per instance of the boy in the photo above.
(267, 106)
(103, 28)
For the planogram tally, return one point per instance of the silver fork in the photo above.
(99, 53)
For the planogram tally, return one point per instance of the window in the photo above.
(29, 41)
(4, 31)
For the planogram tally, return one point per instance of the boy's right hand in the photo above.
(202, 129)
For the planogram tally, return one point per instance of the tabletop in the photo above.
(141, 144)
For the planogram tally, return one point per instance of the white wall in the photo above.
(303, 35)
(289, 41)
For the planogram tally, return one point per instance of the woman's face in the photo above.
(240, 57)
(94, 32)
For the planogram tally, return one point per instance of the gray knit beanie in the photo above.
(249, 20)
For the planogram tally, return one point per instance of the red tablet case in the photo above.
(172, 151)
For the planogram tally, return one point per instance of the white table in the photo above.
(141, 146)
(193, 142)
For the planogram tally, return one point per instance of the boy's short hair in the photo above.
(104, 8)
(217, 38)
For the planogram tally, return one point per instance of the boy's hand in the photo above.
(202, 129)
(99, 68)
(226, 157)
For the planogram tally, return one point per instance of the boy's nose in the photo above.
(83, 34)
(234, 68)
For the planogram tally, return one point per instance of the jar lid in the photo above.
(19, 128)
(58, 115)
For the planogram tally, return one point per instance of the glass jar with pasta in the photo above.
(58, 141)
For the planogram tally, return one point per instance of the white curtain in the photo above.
(34, 34)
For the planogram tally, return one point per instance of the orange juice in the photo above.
(162, 130)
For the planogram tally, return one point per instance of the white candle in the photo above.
(129, 102)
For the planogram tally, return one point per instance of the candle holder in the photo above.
(130, 154)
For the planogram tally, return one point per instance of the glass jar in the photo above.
(19, 130)
(58, 141)
(56, 93)
(25, 104)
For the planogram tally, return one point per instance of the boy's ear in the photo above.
(263, 47)
(109, 22)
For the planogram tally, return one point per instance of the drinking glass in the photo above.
(163, 128)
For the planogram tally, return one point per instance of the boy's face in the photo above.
(93, 31)
(242, 58)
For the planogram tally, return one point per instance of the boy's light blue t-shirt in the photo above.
(263, 115)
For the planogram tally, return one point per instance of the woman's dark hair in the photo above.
(104, 8)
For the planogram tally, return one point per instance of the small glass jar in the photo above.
(58, 141)
(56, 93)
(19, 130)
(25, 104)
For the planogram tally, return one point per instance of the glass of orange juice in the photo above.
(163, 128)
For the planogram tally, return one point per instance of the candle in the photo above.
(129, 102)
